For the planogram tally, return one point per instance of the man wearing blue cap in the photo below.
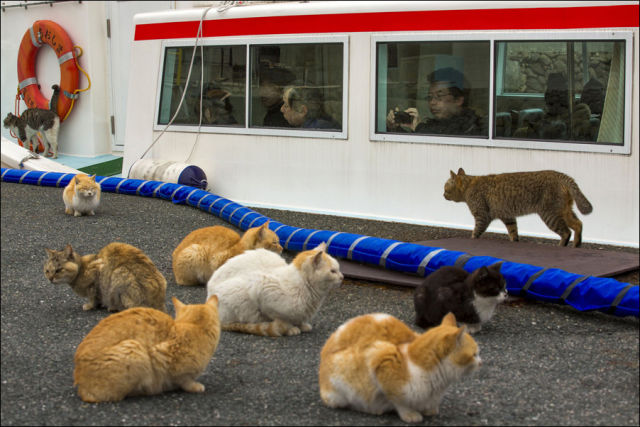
(448, 104)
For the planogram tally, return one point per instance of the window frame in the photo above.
(493, 37)
(248, 43)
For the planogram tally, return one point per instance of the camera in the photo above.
(402, 117)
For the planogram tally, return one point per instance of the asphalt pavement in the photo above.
(543, 364)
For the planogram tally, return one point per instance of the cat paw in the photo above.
(77, 213)
(410, 416)
(193, 387)
(472, 328)
(305, 327)
(293, 331)
(68, 211)
(92, 213)
(87, 306)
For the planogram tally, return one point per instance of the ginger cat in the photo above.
(506, 196)
(142, 351)
(261, 294)
(375, 363)
(204, 250)
(118, 277)
(81, 196)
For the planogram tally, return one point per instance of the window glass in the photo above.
(223, 92)
(433, 87)
(297, 86)
(560, 90)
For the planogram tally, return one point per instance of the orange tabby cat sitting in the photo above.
(204, 250)
(81, 196)
(143, 351)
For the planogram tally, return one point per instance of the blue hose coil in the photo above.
(584, 293)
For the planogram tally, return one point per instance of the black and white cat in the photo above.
(35, 120)
(471, 297)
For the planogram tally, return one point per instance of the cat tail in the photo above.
(581, 201)
(115, 373)
(53, 104)
(275, 328)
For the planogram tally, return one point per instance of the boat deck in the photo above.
(103, 165)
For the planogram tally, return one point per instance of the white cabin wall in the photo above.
(86, 130)
(379, 180)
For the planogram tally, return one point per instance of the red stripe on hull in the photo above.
(433, 20)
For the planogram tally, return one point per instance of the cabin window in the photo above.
(286, 86)
(433, 88)
(297, 86)
(223, 88)
(560, 90)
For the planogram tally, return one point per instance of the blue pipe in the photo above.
(584, 293)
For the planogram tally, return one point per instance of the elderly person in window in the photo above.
(448, 101)
(303, 107)
(272, 83)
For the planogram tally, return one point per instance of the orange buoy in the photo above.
(52, 34)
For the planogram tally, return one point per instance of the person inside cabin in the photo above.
(216, 106)
(303, 107)
(593, 95)
(556, 123)
(448, 103)
(273, 80)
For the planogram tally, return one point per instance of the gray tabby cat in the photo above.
(506, 196)
(118, 277)
(35, 120)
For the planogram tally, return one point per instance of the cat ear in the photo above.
(460, 335)
(93, 177)
(262, 228)
(213, 300)
(50, 252)
(449, 320)
(482, 273)
(321, 247)
(317, 259)
(177, 304)
(453, 175)
(461, 171)
(68, 251)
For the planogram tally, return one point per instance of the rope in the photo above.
(16, 109)
(184, 92)
(73, 100)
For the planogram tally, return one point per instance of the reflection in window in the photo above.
(437, 88)
(297, 86)
(223, 92)
(569, 91)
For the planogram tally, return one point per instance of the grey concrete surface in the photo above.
(543, 364)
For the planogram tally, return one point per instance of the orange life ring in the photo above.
(50, 33)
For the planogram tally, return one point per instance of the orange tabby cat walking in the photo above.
(375, 363)
(142, 351)
(81, 196)
(204, 250)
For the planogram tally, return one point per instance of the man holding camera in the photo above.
(448, 93)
